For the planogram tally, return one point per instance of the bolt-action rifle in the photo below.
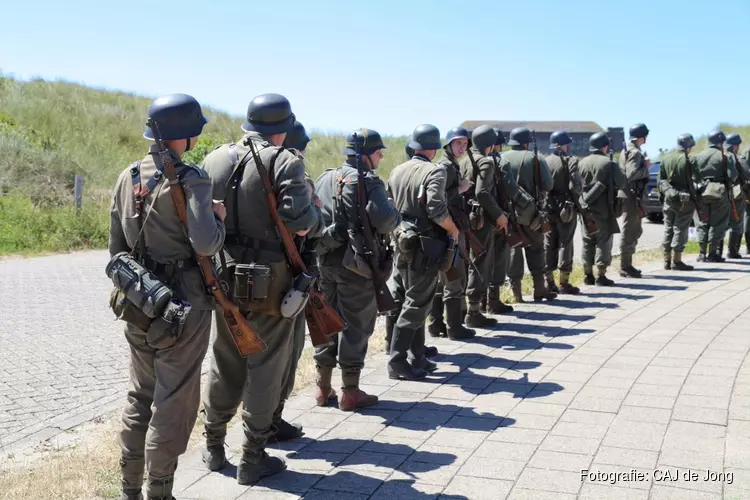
(728, 184)
(245, 338)
(322, 319)
(383, 295)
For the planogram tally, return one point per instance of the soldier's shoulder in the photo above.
(218, 156)
(190, 172)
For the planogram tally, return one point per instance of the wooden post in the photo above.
(78, 193)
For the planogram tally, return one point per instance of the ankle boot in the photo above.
(456, 330)
(475, 319)
(437, 326)
(253, 468)
(494, 305)
(713, 254)
(515, 286)
(323, 381)
(398, 364)
(352, 397)
(733, 250)
(565, 286)
(551, 286)
(601, 279)
(159, 487)
(540, 289)
(668, 260)
(678, 265)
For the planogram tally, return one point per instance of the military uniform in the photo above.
(256, 381)
(714, 199)
(746, 208)
(164, 388)
(636, 169)
(562, 204)
(346, 275)
(492, 303)
(479, 167)
(600, 178)
(451, 290)
(521, 162)
(678, 176)
(418, 189)
(740, 196)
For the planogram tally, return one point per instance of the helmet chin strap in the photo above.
(189, 146)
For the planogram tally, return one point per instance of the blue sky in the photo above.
(675, 65)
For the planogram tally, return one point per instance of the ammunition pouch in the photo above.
(714, 192)
(250, 285)
(296, 298)
(141, 299)
(450, 257)
(356, 262)
(525, 207)
(476, 216)
(406, 238)
(593, 194)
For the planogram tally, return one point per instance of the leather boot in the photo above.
(494, 305)
(668, 260)
(214, 454)
(601, 279)
(540, 289)
(630, 272)
(588, 276)
(352, 397)
(398, 364)
(713, 254)
(475, 319)
(515, 286)
(285, 431)
(389, 322)
(437, 326)
(483, 304)
(733, 249)
(132, 478)
(678, 265)
(551, 286)
(720, 248)
(565, 286)
(747, 244)
(456, 330)
(323, 381)
(253, 468)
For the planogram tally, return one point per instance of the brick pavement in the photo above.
(650, 375)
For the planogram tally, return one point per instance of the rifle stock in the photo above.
(474, 243)
(245, 338)
(322, 319)
(383, 297)
(728, 185)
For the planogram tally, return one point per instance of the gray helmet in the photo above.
(519, 136)
(269, 114)
(425, 137)
(500, 137)
(685, 141)
(717, 137)
(456, 133)
(483, 137)
(638, 130)
(368, 140)
(297, 138)
(178, 116)
(559, 138)
(409, 151)
(734, 139)
(597, 141)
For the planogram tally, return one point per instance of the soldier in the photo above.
(346, 275)
(600, 178)
(492, 303)
(425, 244)
(522, 167)
(488, 218)
(563, 203)
(451, 288)
(164, 389)
(746, 158)
(257, 381)
(635, 165)
(739, 193)
(719, 172)
(678, 176)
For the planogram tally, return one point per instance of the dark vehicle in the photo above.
(653, 205)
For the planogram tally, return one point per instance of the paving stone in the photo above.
(580, 445)
(518, 435)
(462, 487)
(406, 490)
(509, 451)
(425, 472)
(562, 461)
(215, 486)
(340, 480)
(314, 461)
(384, 463)
(670, 493)
(572, 429)
(608, 492)
(598, 404)
(527, 494)
(441, 455)
(550, 480)
(530, 421)
(392, 444)
(700, 415)
(626, 457)
(268, 494)
(649, 401)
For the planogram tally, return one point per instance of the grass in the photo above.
(91, 470)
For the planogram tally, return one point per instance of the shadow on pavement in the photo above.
(546, 316)
(624, 296)
(576, 304)
(686, 278)
(646, 286)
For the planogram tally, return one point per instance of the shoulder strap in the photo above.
(566, 174)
